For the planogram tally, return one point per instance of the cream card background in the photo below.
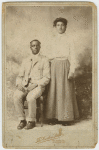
(71, 138)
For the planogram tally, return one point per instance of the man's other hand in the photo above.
(31, 87)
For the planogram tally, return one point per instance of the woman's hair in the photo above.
(60, 20)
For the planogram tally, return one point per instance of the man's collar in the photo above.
(35, 57)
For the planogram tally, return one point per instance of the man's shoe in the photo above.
(22, 124)
(30, 125)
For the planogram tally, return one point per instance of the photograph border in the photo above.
(94, 65)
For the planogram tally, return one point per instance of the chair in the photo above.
(39, 108)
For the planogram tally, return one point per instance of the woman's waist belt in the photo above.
(61, 58)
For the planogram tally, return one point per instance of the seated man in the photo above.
(34, 75)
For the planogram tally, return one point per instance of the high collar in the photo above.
(61, 35)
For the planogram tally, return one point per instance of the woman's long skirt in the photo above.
(61, 100)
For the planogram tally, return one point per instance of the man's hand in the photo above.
(20, 87)
(70, 75)
(31, 87)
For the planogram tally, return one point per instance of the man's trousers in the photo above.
(31, 99)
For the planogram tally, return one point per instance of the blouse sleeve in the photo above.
(73, 60)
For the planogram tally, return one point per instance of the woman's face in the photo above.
(60, 27)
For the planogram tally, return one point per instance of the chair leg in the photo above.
(37, 114)
(41, 117)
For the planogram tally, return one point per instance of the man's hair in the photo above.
(60, 20)
(35, 40)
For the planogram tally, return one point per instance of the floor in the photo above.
(80, 125)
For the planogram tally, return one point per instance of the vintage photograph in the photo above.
(49, 75)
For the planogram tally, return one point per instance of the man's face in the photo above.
(35, 47)
(60, 27)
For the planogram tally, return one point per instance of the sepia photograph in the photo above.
(49, 52)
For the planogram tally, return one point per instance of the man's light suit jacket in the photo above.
(37, 70)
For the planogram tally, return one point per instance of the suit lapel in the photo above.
(29, 66)
(31, 63)
(36, 60)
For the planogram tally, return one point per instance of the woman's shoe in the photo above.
(52, 122)
(67, 123)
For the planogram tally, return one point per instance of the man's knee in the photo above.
(31, 97)
(18, 95)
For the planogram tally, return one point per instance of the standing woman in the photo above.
(61, 101)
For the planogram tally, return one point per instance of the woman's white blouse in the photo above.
(62, 45)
